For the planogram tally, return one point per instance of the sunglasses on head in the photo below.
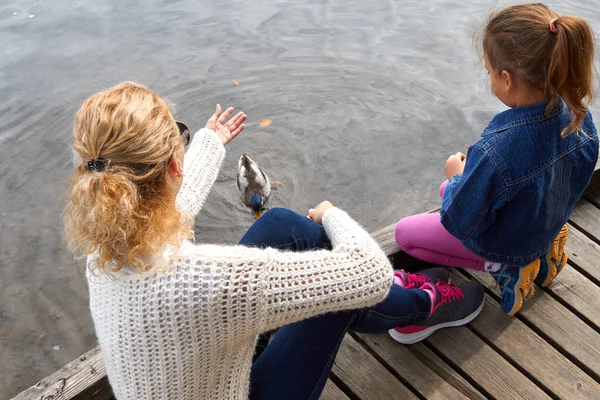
(184, 132)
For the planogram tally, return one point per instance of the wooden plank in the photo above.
(386, 240)
(583, 252)
(426, 372)
(579, 293)
(594, 198)
(484, 365)
(365, 377)
(556, 322)
(532, 353)
(332, 392)
(594, 184)
(586, 216)
(83, 378)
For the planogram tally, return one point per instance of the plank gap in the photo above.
(561, 376)
(387, 366)
(516, 365)
(585, 232)
(594, 198)
(343, 387)
(582, 271)
(458, 370)
(332, 392)
(540, 332)
(569, 307)
(583, 253)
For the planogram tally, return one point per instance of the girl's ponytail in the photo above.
(570, 71)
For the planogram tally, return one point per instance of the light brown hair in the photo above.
(127, 211)
(520, 40)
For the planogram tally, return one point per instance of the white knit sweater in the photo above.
(189, 332)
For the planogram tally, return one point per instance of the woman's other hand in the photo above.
(316, 214)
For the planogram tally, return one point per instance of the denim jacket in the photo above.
(520, 183)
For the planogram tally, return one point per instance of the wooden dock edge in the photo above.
(85, 377)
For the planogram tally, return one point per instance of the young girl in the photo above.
(180, 321)
(505, 204)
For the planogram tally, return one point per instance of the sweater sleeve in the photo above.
(200, 169)
(269, 288)
(251, 290)
(295, 286)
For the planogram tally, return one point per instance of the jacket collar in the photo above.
(521, 116)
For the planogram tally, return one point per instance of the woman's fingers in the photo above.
(236, 121)
(215, 116)
(227, 131)
(237, 131)
(225, 115)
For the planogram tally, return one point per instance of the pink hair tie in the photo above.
(552, 26)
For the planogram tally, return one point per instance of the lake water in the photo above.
(367, 101)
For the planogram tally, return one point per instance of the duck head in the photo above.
(256, 204)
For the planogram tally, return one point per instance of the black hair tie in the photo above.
(98, 164)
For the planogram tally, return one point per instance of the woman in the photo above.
(179, 321)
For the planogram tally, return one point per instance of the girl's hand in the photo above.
(455, 165)
(229, 130)
(316, 214)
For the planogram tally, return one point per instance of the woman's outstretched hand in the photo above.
(226, 130)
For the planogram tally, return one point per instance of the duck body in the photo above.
(253, 185)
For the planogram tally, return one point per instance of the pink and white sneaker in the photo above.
(415, 281)
(453, 305)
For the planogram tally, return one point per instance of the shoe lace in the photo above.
(502, 278)
(449, 292)
(416, 280)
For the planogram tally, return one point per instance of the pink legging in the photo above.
(423, 237)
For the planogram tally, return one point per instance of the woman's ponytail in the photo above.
(101, 214)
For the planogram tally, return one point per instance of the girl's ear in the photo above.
(507, 80)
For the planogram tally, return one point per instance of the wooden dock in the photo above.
(551, 349)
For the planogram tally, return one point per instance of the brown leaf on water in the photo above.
(236, 83)
(265, 122)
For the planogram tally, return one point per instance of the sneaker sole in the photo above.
(556, 269)
(524, 293)
(558, 249)
(412, 338)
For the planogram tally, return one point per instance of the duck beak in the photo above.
(257, 214)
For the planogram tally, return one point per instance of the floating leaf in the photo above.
(265, 122)
(236, 83)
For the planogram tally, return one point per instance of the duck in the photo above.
(253, 185)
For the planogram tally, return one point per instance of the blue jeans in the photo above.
(297, 362)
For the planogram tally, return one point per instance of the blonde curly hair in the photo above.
(126, 211)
